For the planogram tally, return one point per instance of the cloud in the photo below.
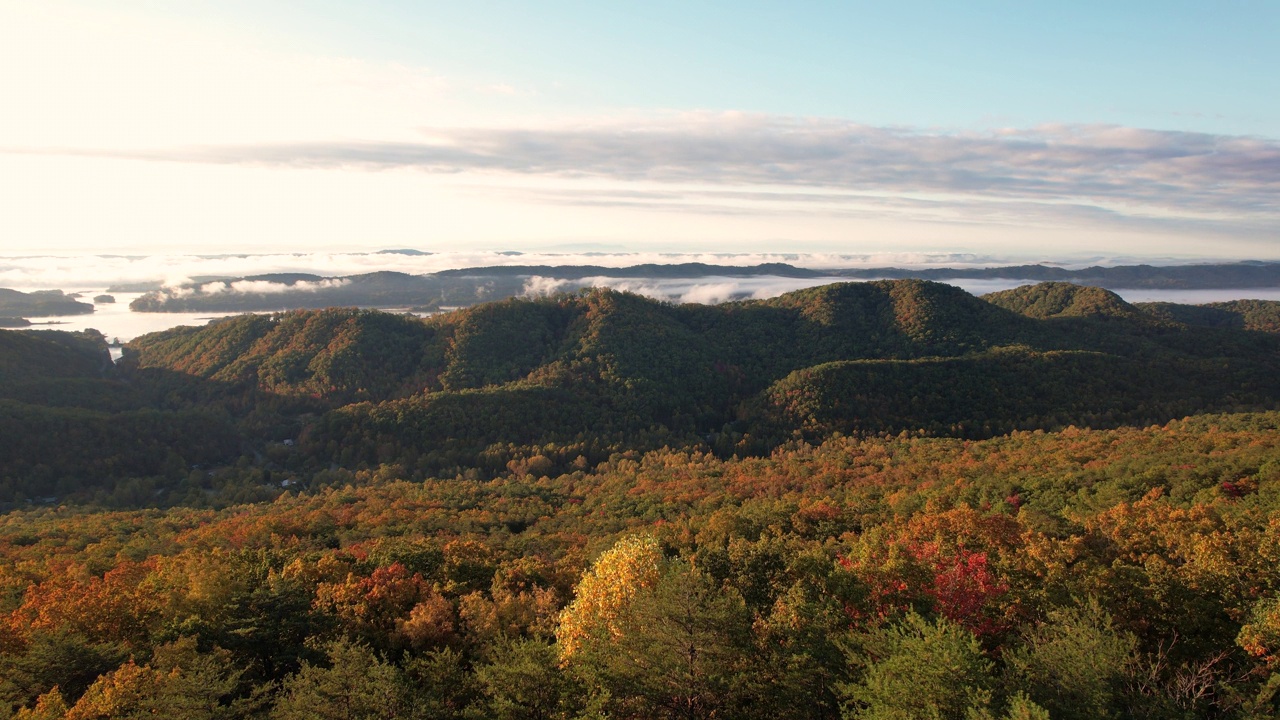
(712, 290)
(712, 293)
(239, 111)
(41, 272)
(251, 287)
(1082, 168)
(951, 210)
(95, 273)
(538, 286)
(708, 290)
(267, 287)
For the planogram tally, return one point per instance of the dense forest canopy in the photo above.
(865, 500)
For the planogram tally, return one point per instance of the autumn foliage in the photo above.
(885, 500)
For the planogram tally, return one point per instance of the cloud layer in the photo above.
(42, 272)
(707, 290)
(720, 180)
(252, 287)
(1118, 168)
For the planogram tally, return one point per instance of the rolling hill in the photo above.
(599, 370)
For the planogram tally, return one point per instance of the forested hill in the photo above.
(1262, 315)
(865, 500)
(30, 356)
(42, 303)
(1059, 300)
(574, 378)
(690, 358)
(74, 426)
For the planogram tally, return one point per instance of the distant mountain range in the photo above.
(468, 286)
(1234, 275)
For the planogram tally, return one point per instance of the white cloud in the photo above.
(725, 165)
(704, 290)
(1111, 167)
(538, 286)
(712, 293)
(248, 287)
(267, 147)
(267, 287)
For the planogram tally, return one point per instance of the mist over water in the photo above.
(115, 321)
(93, 275)
(706, 290)
(78, 273)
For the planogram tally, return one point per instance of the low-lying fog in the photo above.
(92, 276)
(73, 273)
(116, 321)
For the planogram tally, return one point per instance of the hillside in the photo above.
(588, 374)
(1064, 300)
(341, 354)
(545, 507)
(42, 303)
(73, 426)
(29, 356)
(597, 371)
(1259, 315)
(1080, 574)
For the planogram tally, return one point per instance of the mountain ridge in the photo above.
(595, 372)
(468, 286)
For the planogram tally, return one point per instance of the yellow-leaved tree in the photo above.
(603, 594)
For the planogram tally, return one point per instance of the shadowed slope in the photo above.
(612, 370)
(1260, 315)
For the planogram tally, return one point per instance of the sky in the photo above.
(1026, 130)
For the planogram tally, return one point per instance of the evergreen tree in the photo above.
(357, 685)
(1075, 664)
(524, 681)
(918, 670)
(682, 651)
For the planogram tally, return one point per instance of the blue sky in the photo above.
(1033, 128)
(1164, 65)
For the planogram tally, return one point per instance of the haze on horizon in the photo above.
(1148, 129)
